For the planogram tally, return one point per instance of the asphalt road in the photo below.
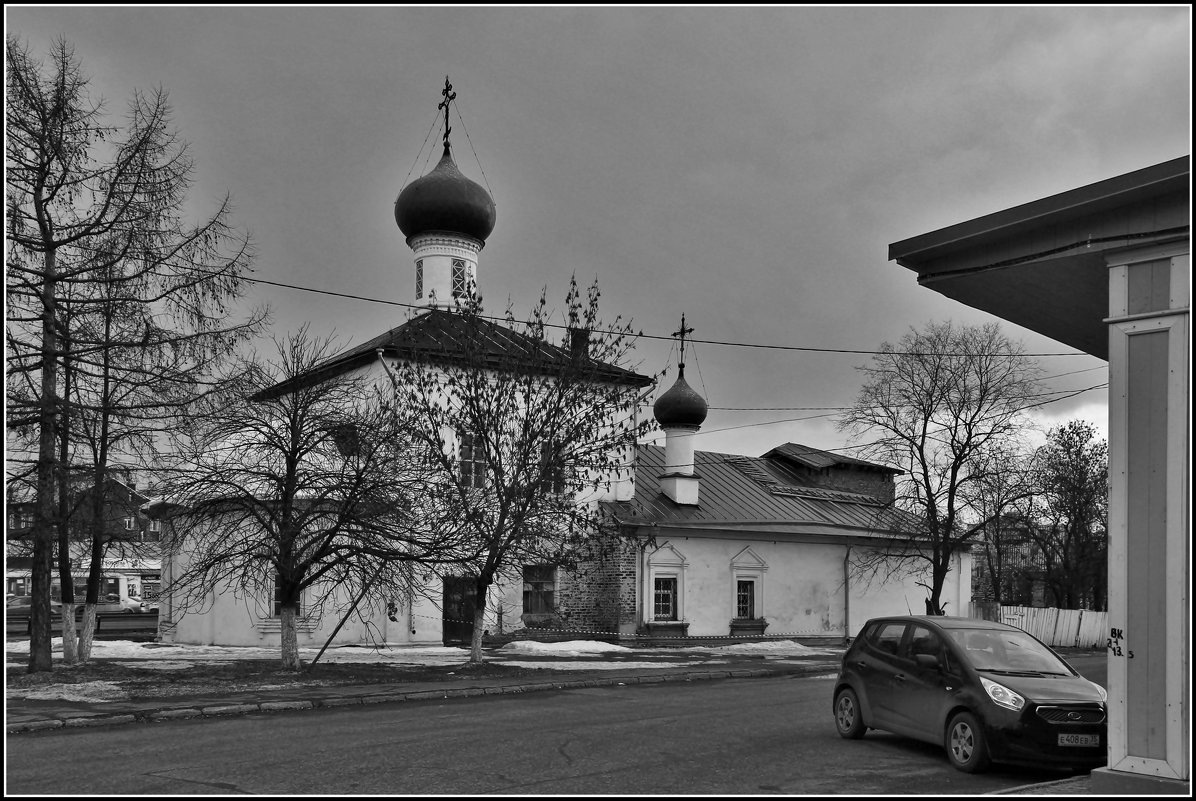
(735, 736)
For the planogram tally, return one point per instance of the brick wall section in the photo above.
(600, 593)
(853, 479)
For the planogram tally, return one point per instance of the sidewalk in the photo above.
(24, 715)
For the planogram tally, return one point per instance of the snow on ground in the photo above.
(571, 655)
(571, 648)
(166, 657)
(89, 691)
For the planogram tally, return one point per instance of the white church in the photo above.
(718, 546)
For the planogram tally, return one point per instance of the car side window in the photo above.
(924, 641)
(887, 637)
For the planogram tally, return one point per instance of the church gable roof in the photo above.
(439, 336)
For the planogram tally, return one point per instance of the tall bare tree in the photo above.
(525, 429)
(95, 224)
(933, 406)
(300, 491)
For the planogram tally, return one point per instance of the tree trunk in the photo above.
(290, 638)
(479, 620)
(87, 632)
(47, 468)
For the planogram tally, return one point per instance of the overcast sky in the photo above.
(745, 167)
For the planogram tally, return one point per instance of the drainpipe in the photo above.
(846, 596)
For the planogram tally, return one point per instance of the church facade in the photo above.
(789, 544)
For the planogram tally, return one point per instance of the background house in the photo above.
(132, 554)
(1106, 268)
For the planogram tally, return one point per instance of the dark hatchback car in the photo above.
(985, 691)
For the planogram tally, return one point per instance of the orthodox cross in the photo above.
(680, 334)
(449, 97)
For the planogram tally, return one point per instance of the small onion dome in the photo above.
(445, 200)
(680, 406)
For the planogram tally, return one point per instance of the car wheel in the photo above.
(848, 718)
(965, 744)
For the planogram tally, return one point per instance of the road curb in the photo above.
(80, 720)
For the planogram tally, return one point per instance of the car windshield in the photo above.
(1001, 651)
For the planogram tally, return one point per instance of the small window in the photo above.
(745, 600)
(471, 459)
(539, 583)
(458, 278)
(419, 278)
(155, 526)
(552, 480)
(664, 598)
(278, 601)
(130, 524)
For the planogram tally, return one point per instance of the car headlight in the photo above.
(1002, 695)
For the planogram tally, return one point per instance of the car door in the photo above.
(876, 666)
(921, 691)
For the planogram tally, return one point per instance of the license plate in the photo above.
(1079, 739)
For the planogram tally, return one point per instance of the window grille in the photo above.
(745, 600)
(458, 278)
(664, 598)
(471, 458)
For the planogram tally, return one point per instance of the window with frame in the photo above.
(471, 461)
(664, 598)
(552, 476)
(745, 599)
(130, 524)
(152, 531)
(539, 585)
(419, 278)
(278, 601)
(458, 278)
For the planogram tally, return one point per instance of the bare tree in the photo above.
(934, 406)
(95, 223)
(524, 433)
(302, 492)
(1072, 514)
(999, 499)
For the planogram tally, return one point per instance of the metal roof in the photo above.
(745, 492)
(818, 460)
(445, 337)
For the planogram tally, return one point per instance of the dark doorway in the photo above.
(460, 601)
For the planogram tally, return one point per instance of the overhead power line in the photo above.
(641, 334)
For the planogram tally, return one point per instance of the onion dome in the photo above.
(680, 406)
(445, 200)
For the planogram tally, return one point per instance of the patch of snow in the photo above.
(166, 664)
(570, 648)
(587, 665)
(89, 691)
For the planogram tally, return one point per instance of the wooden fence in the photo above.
(1065, 628)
